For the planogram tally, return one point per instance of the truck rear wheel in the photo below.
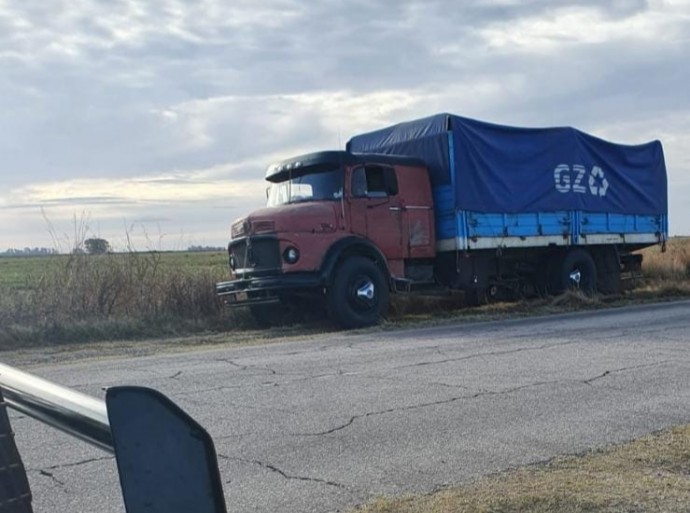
(578, 271)
(359, 294)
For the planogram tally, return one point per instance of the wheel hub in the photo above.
(575, 277)
(366, 291)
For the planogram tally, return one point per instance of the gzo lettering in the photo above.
(567, 179)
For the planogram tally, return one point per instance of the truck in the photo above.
(447, 203)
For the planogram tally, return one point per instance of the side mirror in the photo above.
(166, 460)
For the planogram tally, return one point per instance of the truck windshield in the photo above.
(322, 186)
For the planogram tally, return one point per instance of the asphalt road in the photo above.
(328, 423)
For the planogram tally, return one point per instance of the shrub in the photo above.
(89, 297)
(673, 264)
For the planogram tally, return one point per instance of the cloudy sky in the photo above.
(155, 119)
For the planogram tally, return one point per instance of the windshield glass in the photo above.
(321, 186)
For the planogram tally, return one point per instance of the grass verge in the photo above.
(69, 299)
(648, 474)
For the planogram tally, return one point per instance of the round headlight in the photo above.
(233, 262)
(291, 254)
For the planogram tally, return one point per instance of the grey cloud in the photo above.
(625, 81)
(172, 181)
(83, 201)
(152, 219)
(84, 85)
(489, 11)
(94, 115)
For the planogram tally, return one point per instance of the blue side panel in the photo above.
(621, 223)
(453, 176)
(664, 224)
(575, 225)
(518, 225)
(572, 226)
(463, 230)
(444, 212)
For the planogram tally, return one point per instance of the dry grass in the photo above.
(666, 274)
(82, 298)
(113, 296)
(651, 474)
(674, 264)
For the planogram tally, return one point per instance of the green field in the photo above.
(22, 272)
(18, 272)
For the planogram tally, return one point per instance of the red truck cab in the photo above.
(338, 227)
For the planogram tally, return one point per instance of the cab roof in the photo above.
(323, 161)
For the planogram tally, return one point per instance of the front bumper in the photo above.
(265, 289)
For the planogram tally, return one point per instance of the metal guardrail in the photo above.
(77, 414)
(174, 473)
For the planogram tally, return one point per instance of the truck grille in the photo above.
(259, 254)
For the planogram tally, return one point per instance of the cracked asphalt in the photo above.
(328, 423)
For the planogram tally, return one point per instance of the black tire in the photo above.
(578, 272)
(359, 294)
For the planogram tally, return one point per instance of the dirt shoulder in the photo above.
(648, 474)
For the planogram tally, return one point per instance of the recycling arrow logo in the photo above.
(598, 184)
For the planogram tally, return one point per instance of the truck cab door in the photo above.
(375, 209)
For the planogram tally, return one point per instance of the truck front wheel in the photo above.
(359, 294)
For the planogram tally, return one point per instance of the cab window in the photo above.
(374, 181)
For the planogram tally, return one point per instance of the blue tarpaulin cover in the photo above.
(494, 168)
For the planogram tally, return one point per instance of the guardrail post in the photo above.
(15, 494)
